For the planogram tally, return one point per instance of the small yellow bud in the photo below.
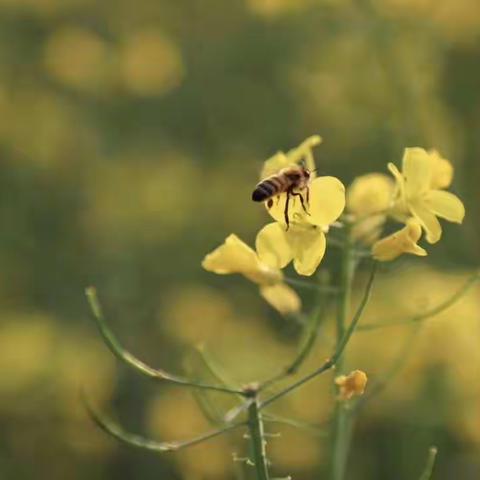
(352, 384)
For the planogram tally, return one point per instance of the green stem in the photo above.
(126, 357)
(342, 425)
(257, 436)
(428, 470)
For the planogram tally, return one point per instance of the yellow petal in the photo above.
(417, 170)
(370, 194)
(442, 173)
(233, 256)
(274, 164)
(308, 247)
(445, 205)
(296, 214)
(304, 152)
(403, 241)
(327, 200)
(281, 297)
(428, 220)
(272, 246)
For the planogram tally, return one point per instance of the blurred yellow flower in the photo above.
(78, 58)
(368, 199)
(235, 256)
(302, 153)
(304, 241)
(419, 185)
(369, 194)
(402, 241)
(351, 385)
(151, 64)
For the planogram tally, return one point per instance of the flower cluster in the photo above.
(416, 196)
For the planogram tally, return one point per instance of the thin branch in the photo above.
(311, 286)
(428, 470)
(309, 427)
(126, 357)
(138, 441)
(330, 363)
(430, 313)
(382, 383)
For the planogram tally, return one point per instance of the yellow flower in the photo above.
(369, 194)
(403, 241)
(351, 385)
(420, 193)
(368, 199)
(302, 153)
(304, 241)
(235, 256)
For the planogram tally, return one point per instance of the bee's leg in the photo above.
(308, 196)
(287, 221)
(298, 194)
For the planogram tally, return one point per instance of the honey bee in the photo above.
(290, 180)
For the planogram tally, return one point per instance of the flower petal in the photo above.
(304, 153)
(417, 170)
(276, 207)
(445, 205)
(368, 194)
(281, 297)
(274, 164)
(233, 256)
(327, 200)
(308, 247)
(442, 173)
(428, 220)
(403, 241)
(272, 246)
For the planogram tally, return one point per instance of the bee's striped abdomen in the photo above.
(268, 188)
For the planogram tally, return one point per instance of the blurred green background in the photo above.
(131, 135)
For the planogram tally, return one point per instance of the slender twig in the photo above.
(257, 436)
(215, 370)
(429, 313)
(138, 441)
(331, 362)
(428, 469)
(378, 386)
(126, 357)
(326, 289)
(307, 343)
(316, 430)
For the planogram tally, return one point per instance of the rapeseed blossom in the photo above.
(421, 194)
(369, 198)
(235, 256)
(303, 241)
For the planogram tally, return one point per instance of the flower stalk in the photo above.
(258, 442)
(342, 424)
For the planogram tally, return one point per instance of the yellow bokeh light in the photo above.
(78, 58)
(151, 64)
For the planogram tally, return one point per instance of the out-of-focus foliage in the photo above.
(132, 134)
